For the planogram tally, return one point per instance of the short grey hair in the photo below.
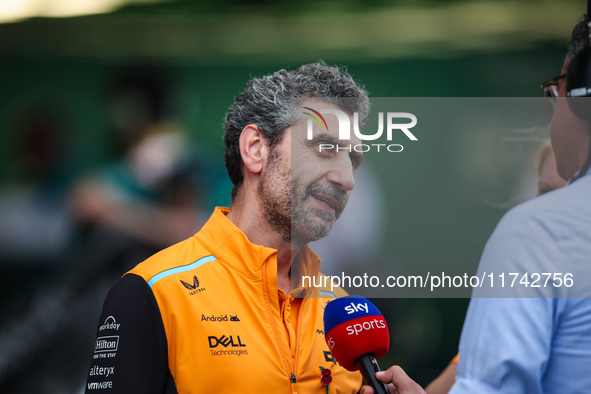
(271, 102)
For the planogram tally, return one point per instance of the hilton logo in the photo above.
(106, 344)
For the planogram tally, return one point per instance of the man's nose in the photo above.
(341, 173)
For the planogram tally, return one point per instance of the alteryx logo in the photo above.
(395, 122)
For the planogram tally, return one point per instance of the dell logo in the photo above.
(225, 341)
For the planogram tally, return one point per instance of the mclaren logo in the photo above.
(329, 358)
(194, 287)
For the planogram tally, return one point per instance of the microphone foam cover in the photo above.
(353, 327)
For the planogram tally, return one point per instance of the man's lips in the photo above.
(329, 200)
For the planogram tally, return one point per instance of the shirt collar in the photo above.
(307, 263)
(228, 243)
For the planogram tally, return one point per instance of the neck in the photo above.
(248, 216)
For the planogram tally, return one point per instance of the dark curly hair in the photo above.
(579, 38)
(271, 103)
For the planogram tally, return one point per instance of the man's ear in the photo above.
(253, 148)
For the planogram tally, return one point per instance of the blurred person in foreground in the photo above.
(223, 311)
(540, 342)
(548, 180)
(145, 197)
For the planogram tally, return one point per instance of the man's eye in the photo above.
(324, 150)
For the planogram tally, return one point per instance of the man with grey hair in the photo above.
(224, 311)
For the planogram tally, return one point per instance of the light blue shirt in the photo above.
(539, 340)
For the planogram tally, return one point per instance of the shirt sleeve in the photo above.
(504, 346)
(130, 352)
(506, 339)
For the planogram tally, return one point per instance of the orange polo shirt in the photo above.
(229, 328)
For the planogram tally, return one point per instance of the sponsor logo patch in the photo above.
(328, 357)
(193, 287)
(228, 346)
(219, 318)
(110, 324)
(102, 371)
(225, 341)
(100, 385)
(106, 344)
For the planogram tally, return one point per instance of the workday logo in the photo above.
(344, 124)
(109, 324)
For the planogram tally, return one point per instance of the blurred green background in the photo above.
(63, 64)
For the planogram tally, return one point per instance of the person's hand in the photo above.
(397, 381)
(91, 200)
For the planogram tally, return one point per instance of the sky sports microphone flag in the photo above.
(354, 327)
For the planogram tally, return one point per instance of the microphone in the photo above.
(357, 335)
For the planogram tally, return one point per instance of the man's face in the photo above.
(304, 189)
(568, 134)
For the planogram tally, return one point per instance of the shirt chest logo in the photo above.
(194, 287)
(227, 345)
(219, 318)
